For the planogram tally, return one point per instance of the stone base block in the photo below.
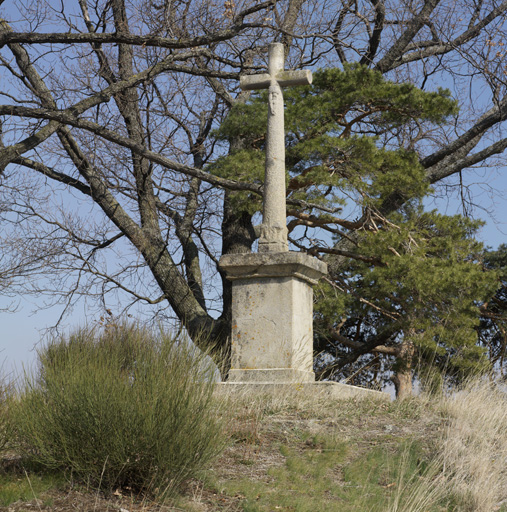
(333, 390)
(276, 375)
(272, 315)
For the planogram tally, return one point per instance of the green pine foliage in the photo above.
(425, 280)
(414, 274)
(338, 137)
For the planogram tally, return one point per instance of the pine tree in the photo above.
(414, 282)
(342, 138)
(418, 305)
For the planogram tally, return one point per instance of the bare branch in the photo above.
(236, 27)
(400, 45)
(422, 50)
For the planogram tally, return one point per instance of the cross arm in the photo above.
(284, 79)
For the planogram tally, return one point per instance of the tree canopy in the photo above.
(124, 178)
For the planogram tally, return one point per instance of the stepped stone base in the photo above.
(334, 390)
(275, 375)
(272, 326)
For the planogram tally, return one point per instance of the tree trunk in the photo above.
(402, 378)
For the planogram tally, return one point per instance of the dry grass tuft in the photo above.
(474, 450)
(6, 394)
(468, 471)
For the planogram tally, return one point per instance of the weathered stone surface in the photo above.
(273, 230)
(272, 321)
(283, 264)
(272, 375)
(333, 390)
(284, 78)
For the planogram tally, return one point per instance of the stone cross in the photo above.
(273, 230)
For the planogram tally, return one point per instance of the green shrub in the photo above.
(123, 408)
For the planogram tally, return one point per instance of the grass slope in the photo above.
(302, 453)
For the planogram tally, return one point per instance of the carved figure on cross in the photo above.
(273, 230)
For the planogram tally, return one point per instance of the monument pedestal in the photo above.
(272, 295)
(272, 316)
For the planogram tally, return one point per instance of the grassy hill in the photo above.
(306, 453)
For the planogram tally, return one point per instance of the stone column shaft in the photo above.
(273, 230)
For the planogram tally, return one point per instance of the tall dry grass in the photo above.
(6, 395)
(469, 469)
(474, 449)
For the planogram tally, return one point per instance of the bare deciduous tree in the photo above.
(108, 111)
